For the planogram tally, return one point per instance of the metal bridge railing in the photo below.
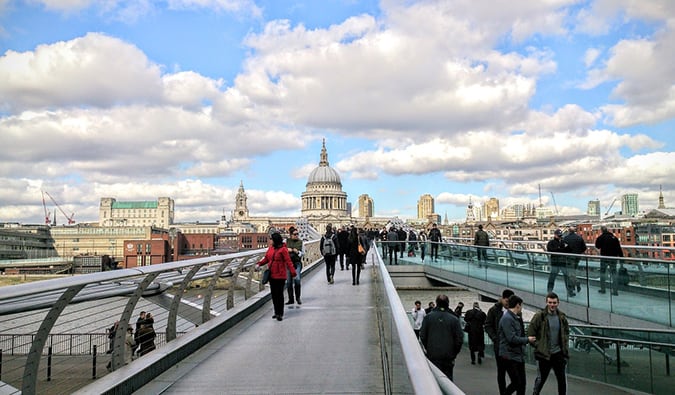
(181, 295)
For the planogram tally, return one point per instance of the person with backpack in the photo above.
(329, 249)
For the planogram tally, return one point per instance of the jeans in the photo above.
(392, 252)
(434, 251)
(555, 269)
(330, 266)
(614, 281)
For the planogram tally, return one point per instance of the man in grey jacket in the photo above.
(512, 342)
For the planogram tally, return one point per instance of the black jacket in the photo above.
(608, 245)
(441, 334)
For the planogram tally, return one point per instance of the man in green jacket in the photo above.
(552, 331)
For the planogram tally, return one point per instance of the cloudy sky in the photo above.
(461, 99)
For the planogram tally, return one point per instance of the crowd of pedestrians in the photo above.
(136, 343)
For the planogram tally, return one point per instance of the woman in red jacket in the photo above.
(279, 262)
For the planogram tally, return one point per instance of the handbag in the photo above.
(362, 251)
(266, 276)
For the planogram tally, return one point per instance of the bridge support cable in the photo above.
(173, 310)
(29, 384)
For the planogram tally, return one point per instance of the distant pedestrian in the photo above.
(278, 262)
(475, 319)
(296, 252)
(418, 315)
(354, 241)
(383, 238)
(609, 246)
(442, 337)
(146, 338)
(392, 242)
(482, 240)
(129, 345)
(343, 247)
(552, 331)
(458, 309)
(430, 307)
(111, 336)
(576, 245)
(558, 262)
(402, 236)
(422, 237)
(494, 315)
(412, 243)
(139, 322)
(329, 246)
(512, 342)
(435, 238)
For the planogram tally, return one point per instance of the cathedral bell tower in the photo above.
(240, 208)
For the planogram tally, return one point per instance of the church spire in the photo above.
(662, 204)
(324, 155)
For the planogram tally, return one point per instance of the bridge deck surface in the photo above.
(328, 345)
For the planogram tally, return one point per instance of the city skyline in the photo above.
(186, 99)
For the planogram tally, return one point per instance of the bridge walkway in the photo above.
(329, 344)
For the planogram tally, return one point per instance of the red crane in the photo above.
(69, 218)
(44, 206)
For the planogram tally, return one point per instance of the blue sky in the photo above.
(459, 99)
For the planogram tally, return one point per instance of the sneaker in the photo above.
(578, 287)
(290, 302)
(331, 280)
(280, 318)
(299, 301)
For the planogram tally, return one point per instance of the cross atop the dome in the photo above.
(324, 155)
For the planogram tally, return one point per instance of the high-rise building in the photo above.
(593, 207)
(629, 204)
(492, 208)
(158, 212)
(425, 206)
(366, 206)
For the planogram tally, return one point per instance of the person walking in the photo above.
(418, 315)
(295, 250)
(494, 315)
(435, 237)
(392, 241)
(552, 331)
(129, 345)
(558, 262)
(576, 245)
(343, 250)
(355, 256)
(329, 247)
(512, 342)
(442, 337)
(278, 261)
(422, 237)
(609, 246)
(475, 319)
(146, 337)
(458, 309)
(402, 236)
(482, 240)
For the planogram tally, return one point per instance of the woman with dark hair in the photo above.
(278, 261)
(355, 256)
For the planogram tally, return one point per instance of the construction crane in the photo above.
(44, 206)
(68, 217)
(554, 203)
(610, 207)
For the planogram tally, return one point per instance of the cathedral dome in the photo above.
(324, 174)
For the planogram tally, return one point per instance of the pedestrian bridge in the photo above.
(215, 333)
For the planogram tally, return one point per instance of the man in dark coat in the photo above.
(576, 245)
(343, 250)
(482, 239)
(441, 335)
(558, 262)
(608, 245)
(475, 319)
(492, 329)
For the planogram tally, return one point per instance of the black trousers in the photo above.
(516, 372)
(434, 251)
(445, 365)
(277, 291)
(330, 266)
(558, 364)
